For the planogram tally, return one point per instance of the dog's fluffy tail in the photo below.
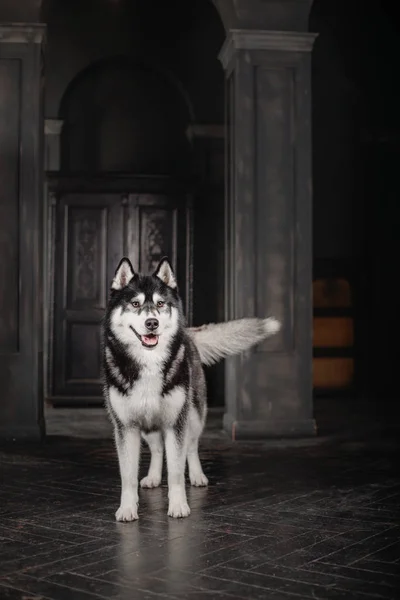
(218, 340)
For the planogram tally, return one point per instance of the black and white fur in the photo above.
(154, 383)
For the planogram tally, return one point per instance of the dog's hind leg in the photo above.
(127, 441)
(176, 450)
(155, 443)
(196, 475)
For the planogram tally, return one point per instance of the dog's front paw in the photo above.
(198, 479)
(177, 506)
(150, 481)
(127, 512)
(178, 510)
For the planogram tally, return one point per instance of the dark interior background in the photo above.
(129, 77)
(138, 73)
(356, 148)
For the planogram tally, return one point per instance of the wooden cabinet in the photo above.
(333, 329)
(93, 227)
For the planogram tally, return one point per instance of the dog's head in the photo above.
(144, 310)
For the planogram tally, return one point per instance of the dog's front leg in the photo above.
(176, 450)
(127, 440)
(155, 443)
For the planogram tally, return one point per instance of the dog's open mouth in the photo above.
(148, 341)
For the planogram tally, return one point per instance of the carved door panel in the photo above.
(89, 243)
(160, 225)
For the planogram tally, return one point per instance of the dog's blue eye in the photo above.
(160, 304)
(135, 304)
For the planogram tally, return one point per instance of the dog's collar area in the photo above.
(148, 341)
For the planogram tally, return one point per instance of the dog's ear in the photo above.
(123, 274)
(165, 273)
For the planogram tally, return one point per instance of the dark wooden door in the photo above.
(88, 246)
(93, 230)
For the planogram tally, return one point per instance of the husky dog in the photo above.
(154, 383)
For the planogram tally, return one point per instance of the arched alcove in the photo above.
(123, 116)
(182, 37)
(127, 79)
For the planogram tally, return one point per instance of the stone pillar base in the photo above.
(263, 430)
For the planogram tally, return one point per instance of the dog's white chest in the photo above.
(142, 404)
(145, 405)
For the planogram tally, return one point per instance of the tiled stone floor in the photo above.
(317, 520)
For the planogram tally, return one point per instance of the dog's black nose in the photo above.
(151, 324)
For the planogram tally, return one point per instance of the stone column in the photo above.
(21, 231)
(268, 228)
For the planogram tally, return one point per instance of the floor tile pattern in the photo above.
(318, 521)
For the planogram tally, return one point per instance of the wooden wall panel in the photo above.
(21, 231)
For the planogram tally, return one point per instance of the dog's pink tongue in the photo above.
(150, 340)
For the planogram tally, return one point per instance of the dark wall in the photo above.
(182, 38)
(20, 11)
(337, 124)
(356, 148)
(354, 97)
